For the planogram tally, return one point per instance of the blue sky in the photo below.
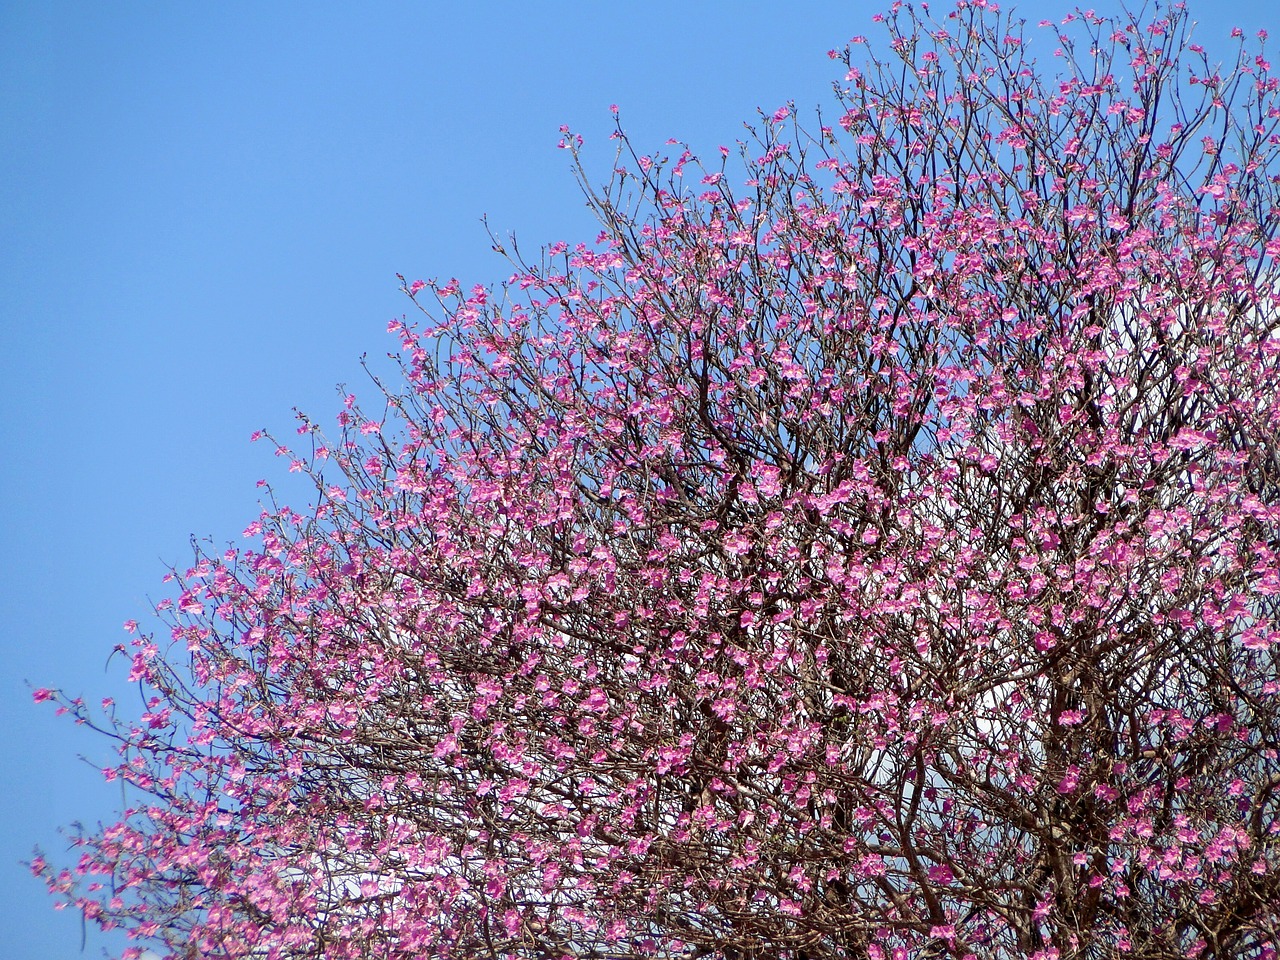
(204, 209)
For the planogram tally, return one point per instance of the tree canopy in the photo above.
(868, 547)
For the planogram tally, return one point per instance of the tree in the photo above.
(877, 561)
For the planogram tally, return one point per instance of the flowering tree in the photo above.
(877, 560)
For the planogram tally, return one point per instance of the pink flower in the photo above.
(941, 873)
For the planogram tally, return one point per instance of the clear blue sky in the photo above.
(204, 207)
